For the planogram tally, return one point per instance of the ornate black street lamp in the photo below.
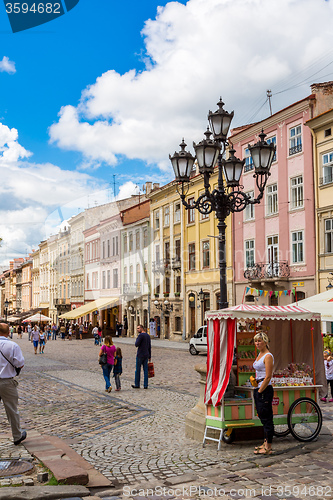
(201, 296)
(228, 197)
(6, 308)
(329, 286)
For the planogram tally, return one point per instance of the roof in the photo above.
(245, 311)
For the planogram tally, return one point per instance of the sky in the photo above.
(93, 102)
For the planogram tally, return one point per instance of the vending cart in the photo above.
(299, 374)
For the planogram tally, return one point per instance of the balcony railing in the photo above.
(161, 266)
(267, 270)
(295, 149)
(132, 289)
(176, 263)
(328, 179)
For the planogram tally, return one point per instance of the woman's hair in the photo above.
(262, 336)
(108, 341)
(118, 352)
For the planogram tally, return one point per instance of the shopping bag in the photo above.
(151, 371)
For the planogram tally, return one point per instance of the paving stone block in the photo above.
(28, 481)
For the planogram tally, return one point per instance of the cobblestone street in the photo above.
(137, 437)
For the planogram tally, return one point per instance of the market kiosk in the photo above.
(299, 374)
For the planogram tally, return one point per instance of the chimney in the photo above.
(156, 185)
(324, 97)
(148, 187)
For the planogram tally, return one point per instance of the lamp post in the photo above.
(6, 308)
(329, 286)
(201, 296)
(228, 197)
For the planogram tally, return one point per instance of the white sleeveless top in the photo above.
(260, 368)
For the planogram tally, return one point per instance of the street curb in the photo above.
(43, 492)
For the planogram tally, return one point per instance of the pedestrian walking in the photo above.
(48, 332)
(12, 329)
(70, 332)
(35, 338)
(118, 368)
(125, 325)
(95, 334)
(328, 362)
(110, 350)
(11, 358)
(19, 331)
(54, 331)
(29, 331)
(143, 355)
(42, 340)
(81, 330)
(63, 331)
(99, 332)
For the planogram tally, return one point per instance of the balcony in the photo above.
(295, 149)
(132, 290)
(61, 302)
(176, 264)
(328, 179)
(161, 266)
(265, 271)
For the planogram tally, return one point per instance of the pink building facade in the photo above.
(274, 241)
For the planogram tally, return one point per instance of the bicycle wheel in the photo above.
(304, 419)
(281, 430)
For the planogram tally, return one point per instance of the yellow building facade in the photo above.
(322, 131)
(184, 261)
(201, 263)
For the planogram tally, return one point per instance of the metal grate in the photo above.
(14, 467)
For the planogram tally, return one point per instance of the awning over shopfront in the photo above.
(94, 305)
(321, 303)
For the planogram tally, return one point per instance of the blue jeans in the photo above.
(107, 369)
(144, 363)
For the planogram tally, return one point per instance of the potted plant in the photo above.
(177, 294)
(166, 294)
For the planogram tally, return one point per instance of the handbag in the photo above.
(103, 359)
(151, 371)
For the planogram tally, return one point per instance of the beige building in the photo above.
(322, 132)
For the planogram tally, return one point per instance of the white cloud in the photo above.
(195, 53)
(29, 192)
(7, 66)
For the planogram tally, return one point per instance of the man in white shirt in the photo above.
(11, 357)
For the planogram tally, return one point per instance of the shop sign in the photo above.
(298, 283)
(276, 401)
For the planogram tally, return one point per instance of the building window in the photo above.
(167, 252)
(272, 140)
(125, 276)
(190, 212)
(157, 254)
(157, 287)
(191, 256)
(130, 246)
(178, 287)
(115, 278)
(177, 212)
(137, 240)
(109, 280)
(327, 168)
(297, 246)
(248, 161)
(249, 210)
(157, 219)
(272, 199)
(295, 140)
(167, 284)
(138, 278)
(145, 237)
(131, 275)
(296, 186)
(88, 282)
(108, 247)
(104, 280)
(125, 243)
(249, 253)
(103, 251)
(329, 236)
(205, 254)
(178, 324)
(327, 132)
(166, 216)
(177, 249)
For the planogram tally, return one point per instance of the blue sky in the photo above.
(110, 88)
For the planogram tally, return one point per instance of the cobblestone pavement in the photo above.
(136, 437)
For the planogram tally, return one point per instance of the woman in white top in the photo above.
(263, 394)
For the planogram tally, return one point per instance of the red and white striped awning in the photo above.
(246, 311)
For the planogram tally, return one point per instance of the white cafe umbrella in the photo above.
(37, 317)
